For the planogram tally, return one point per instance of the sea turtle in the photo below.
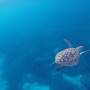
(69, 56)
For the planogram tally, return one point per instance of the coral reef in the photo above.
(76, 81)
(34, 86)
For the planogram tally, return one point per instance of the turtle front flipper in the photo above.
(58, 68)
(68, 43)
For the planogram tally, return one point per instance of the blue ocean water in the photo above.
(31, 34)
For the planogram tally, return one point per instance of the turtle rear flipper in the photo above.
(80, 48)
(68, 43)
(84, 52)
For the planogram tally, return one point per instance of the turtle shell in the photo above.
(68, 57)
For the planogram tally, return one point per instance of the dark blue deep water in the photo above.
(32, 32)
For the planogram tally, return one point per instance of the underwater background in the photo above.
(31, 34)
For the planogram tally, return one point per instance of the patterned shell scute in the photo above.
(67, 57)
